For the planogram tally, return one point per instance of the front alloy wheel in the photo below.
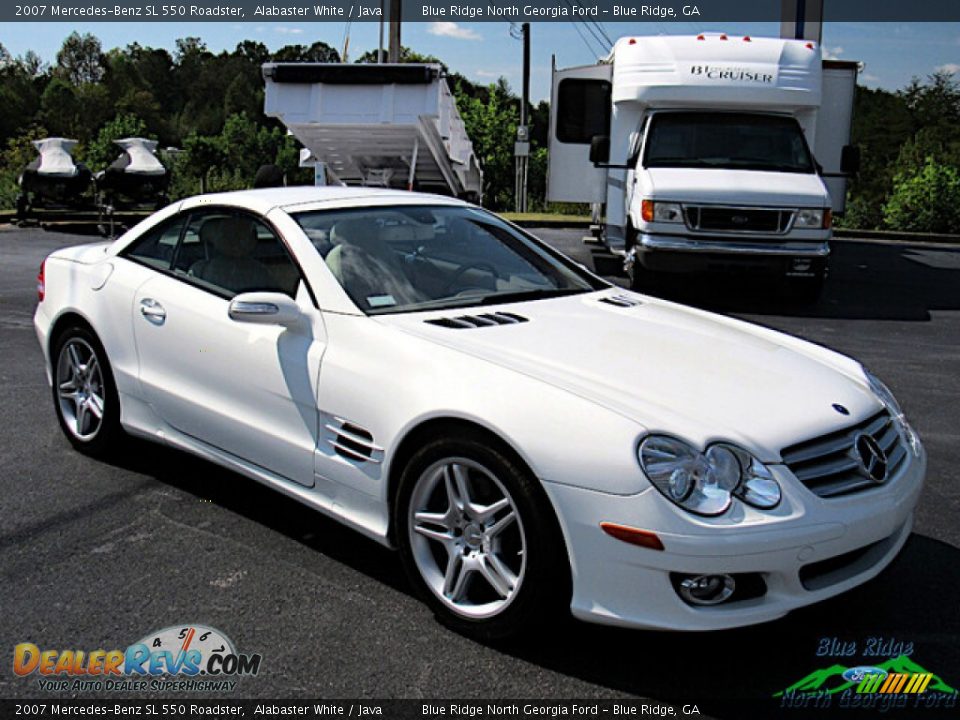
(467, 537)
(479, 538)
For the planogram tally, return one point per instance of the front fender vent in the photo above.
(352, 442)
(622, 301)
(463, 322)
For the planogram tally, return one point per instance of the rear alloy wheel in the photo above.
(478, 539)
(84, 394)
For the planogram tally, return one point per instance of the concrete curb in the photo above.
(896, 236)
(553, 224)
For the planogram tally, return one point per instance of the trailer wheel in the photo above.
(23, 206)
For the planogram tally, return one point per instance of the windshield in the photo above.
(727, 140)
(407, 258)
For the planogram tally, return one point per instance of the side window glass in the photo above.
(232, 253)
(157, 247)
(583, 110)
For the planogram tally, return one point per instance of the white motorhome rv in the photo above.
(709, 152)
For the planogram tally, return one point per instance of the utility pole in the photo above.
(380, 43)
(801, 19)
(521, 148)
(394, 11)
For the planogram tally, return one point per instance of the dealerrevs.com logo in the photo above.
(183, 657)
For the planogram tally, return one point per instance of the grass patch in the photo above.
(545, 217)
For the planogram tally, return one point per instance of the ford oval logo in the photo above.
(841, 409)
(856, 674)
(739, 219)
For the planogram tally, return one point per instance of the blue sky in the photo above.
(892, 53)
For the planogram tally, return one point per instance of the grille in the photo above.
(732, 219)
(352, 441)
(463, 322)
(829, 465)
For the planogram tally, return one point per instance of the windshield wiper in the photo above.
(522, 295)
(478, 300)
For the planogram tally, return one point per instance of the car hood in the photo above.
(737, 187)
(670, 368)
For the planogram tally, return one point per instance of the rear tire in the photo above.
(84, 393)
(479, 539)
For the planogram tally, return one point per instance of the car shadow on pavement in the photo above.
(908, 609)
(867, 281)
(265, 506)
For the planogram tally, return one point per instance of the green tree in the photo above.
(492, 127)
(317, 52)
(80, 59)
(60, 108)
(925, 199)
(17, 153)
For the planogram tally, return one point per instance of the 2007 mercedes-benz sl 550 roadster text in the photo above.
(527, 435)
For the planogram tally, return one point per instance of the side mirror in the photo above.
(265, 308)
(850, 159)
(600, 149)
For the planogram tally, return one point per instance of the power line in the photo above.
(576, 26)
(596, 36)
(600, 34)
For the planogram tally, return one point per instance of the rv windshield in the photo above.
(727, 140)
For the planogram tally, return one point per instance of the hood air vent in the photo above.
(621, 301)
(352, 442)
(463, 322)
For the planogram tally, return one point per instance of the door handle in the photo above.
(153, 311)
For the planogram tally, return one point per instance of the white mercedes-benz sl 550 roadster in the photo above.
(528, 436)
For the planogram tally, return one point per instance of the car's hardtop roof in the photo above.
(303, 197)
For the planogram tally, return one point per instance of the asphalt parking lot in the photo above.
(96, 555)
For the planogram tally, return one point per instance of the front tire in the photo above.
(479, 540)
(642, 280)
(84, 393)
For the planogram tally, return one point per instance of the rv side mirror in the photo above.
(600, 149)
(850, 159)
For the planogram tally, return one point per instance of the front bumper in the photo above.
(619, 584)
(735, 246)
(772, 256)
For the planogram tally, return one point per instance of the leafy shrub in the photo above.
(925, 199)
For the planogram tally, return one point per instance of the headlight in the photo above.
(705, 483)
(893, 407)
(656, 211)
(811, 218)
